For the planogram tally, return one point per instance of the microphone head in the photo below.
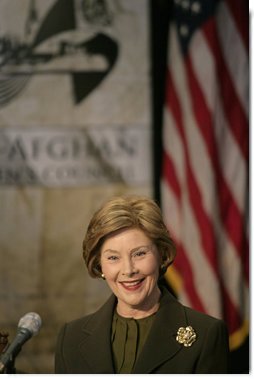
(30, 321)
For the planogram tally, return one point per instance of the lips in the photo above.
(132, 285)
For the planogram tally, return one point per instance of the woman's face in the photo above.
(130, 263)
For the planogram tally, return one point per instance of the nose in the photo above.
(128, 268)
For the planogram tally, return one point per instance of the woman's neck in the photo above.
(150, 306)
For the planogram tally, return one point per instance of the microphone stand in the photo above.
(4, 344)
(9, 368)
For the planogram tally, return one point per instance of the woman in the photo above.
(142, 328)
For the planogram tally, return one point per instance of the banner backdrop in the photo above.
(74, 130)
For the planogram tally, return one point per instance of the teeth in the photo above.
(132, 284)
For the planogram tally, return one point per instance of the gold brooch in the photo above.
(186, 336)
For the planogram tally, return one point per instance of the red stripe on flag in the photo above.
(183, 266)
(170, 176)
(230, 312)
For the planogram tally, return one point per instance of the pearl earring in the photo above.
(103, 276)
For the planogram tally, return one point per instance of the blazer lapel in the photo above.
(95, 346)
(161, 344)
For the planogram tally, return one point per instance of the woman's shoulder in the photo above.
(193, 317)
(93, 318)
(79, 322)
(199, 318)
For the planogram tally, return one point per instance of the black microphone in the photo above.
(28, 326)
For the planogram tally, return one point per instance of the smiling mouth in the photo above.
(132, 285)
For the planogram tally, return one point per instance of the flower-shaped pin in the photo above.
(186, 336)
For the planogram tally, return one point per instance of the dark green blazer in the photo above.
(84, 345)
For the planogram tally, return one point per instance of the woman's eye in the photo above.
(140, 253)
(112, 258)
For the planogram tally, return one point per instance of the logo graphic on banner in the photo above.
(87, 60)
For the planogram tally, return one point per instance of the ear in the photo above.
(165, 263)
(97, 270)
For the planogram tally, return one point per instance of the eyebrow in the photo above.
(132, 250)
(141, 247)
(110, 251)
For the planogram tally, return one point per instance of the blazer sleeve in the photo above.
(59, 357)
(214, 357)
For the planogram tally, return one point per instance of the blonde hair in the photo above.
(126, 212)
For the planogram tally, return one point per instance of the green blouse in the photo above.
(128, 338)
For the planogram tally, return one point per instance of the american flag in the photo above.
(204, 186)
